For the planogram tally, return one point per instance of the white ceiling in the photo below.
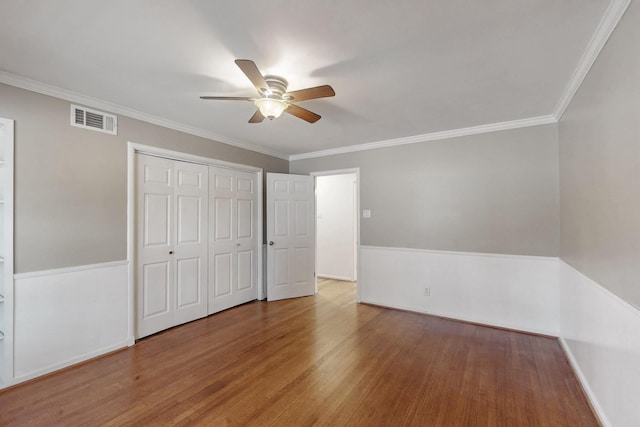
(399, 68)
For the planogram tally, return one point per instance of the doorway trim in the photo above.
(355, 171)
(132, 149)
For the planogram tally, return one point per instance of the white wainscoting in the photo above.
(69, 315)
(510, 291)
(601, 335)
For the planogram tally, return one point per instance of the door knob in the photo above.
(270, 242)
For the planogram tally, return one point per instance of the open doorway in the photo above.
(337, 225)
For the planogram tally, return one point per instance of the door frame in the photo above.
(132, 149)
(356, 171)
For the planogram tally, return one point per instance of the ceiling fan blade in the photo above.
(250, 69)
(302, 113)
(227, 98)
(310, 93)
(257, 117)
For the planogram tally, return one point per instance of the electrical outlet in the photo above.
(427, 292)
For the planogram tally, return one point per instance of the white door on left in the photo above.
(171, 243)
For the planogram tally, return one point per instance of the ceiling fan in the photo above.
(274, 98)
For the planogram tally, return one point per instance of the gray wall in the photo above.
(492, 193)
(599, 138)
(70, 183)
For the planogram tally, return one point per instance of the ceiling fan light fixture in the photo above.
(270, 108)
(274, 98)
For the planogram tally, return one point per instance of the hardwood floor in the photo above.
(322, 360)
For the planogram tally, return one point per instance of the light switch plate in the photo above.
(366, 213)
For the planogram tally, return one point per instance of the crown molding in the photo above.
(607, 24)
(88, 101)
(435, 136)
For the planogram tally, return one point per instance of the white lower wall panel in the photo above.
(518, 292)
(601, 336)
(66, 316)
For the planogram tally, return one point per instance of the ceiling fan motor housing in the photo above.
(277, 85)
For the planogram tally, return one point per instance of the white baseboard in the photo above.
(65, 317)
(69, 362)
(585, 384)
(508, 291)
(330, 276)
(601, 337)
(455, 316)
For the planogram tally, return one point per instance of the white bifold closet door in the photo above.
(233, 243)
(171, 243)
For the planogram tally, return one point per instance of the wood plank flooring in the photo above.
(322, 360)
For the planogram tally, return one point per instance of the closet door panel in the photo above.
(155, 229)
(232, 243)
(171, 243)
(190, 250)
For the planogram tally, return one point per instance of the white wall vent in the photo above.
(87, 118)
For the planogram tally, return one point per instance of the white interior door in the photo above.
(233, 239)
(290, 236)
(171, 243)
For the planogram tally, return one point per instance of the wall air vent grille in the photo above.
(94, 120)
